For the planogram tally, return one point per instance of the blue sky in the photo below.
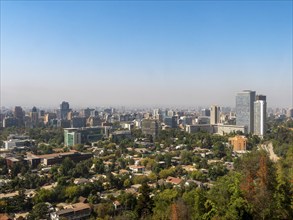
(190, 53)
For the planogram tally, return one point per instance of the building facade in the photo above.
(215, 115)
(64, 109)
(150, 127)
(238, 142)
(260, 115)
(71, 137)
(245, 109)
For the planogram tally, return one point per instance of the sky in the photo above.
(145, 53)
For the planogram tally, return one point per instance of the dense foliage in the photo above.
(256, 188)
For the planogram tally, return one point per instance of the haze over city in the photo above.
(145, 53)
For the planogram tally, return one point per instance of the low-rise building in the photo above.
(238, 142)
(56, 158)
(173, 180)
(75, 211)
(137, 169)
(121, 135)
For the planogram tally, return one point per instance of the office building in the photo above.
(202, 120)
(215, 115)
(10, 122)
(94, 121)
(64, 109)
(150, 127)
(78, 122)
(86, 112)
(156, 112)
(245, 109)
(117, 136)
(49, 117)
(57, 158)
(71, 137)
(260, 115)
(260, 97)
(170, 113)
(171, 121)
(186, 120)
(18, 113)
(205, 112)
(34, 115)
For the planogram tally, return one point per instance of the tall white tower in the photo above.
(260, 115)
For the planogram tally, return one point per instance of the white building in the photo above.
(260, 114)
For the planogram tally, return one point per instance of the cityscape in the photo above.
(126, 150)
(146, 110)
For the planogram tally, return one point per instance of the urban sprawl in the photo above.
(116, 163)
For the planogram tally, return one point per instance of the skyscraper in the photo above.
(64, 109)
(19, 115)
(245, 109)
(150, 127)
(34, 115)
(215, 115)
(260, 115)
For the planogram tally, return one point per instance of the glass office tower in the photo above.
(245, 109)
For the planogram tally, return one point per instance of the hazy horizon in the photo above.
(145, 53)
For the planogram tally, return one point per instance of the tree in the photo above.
(259, 183)
(186, 157)
(144, 203)
(104, 209)
(219, 149)
(195, 201)
(217, 170)
(39, 211)
(72, 192)
(163, 202)
(66, 166)
(128, 201)
(81, 170)
(225, 199)
(127, 183)
(167, 172)
(43, 195)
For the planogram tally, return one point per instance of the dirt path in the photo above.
(270, 149)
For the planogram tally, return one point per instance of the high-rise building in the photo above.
(205, 112)
(215, 115)
(86, 112)
(10, 122)
(71, 137)
(260, 97)
(34, 115)
(171, 121)
(19, 115)
(64, 109)
(78, 122)
(150, 127)
(290, 113)
(260, 115)
(245, 109)
(48, 117)
(170, 113)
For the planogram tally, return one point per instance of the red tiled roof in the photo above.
(174, 180)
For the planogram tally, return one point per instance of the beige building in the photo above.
(238, 142)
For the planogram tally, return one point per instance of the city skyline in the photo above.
(145, 53)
